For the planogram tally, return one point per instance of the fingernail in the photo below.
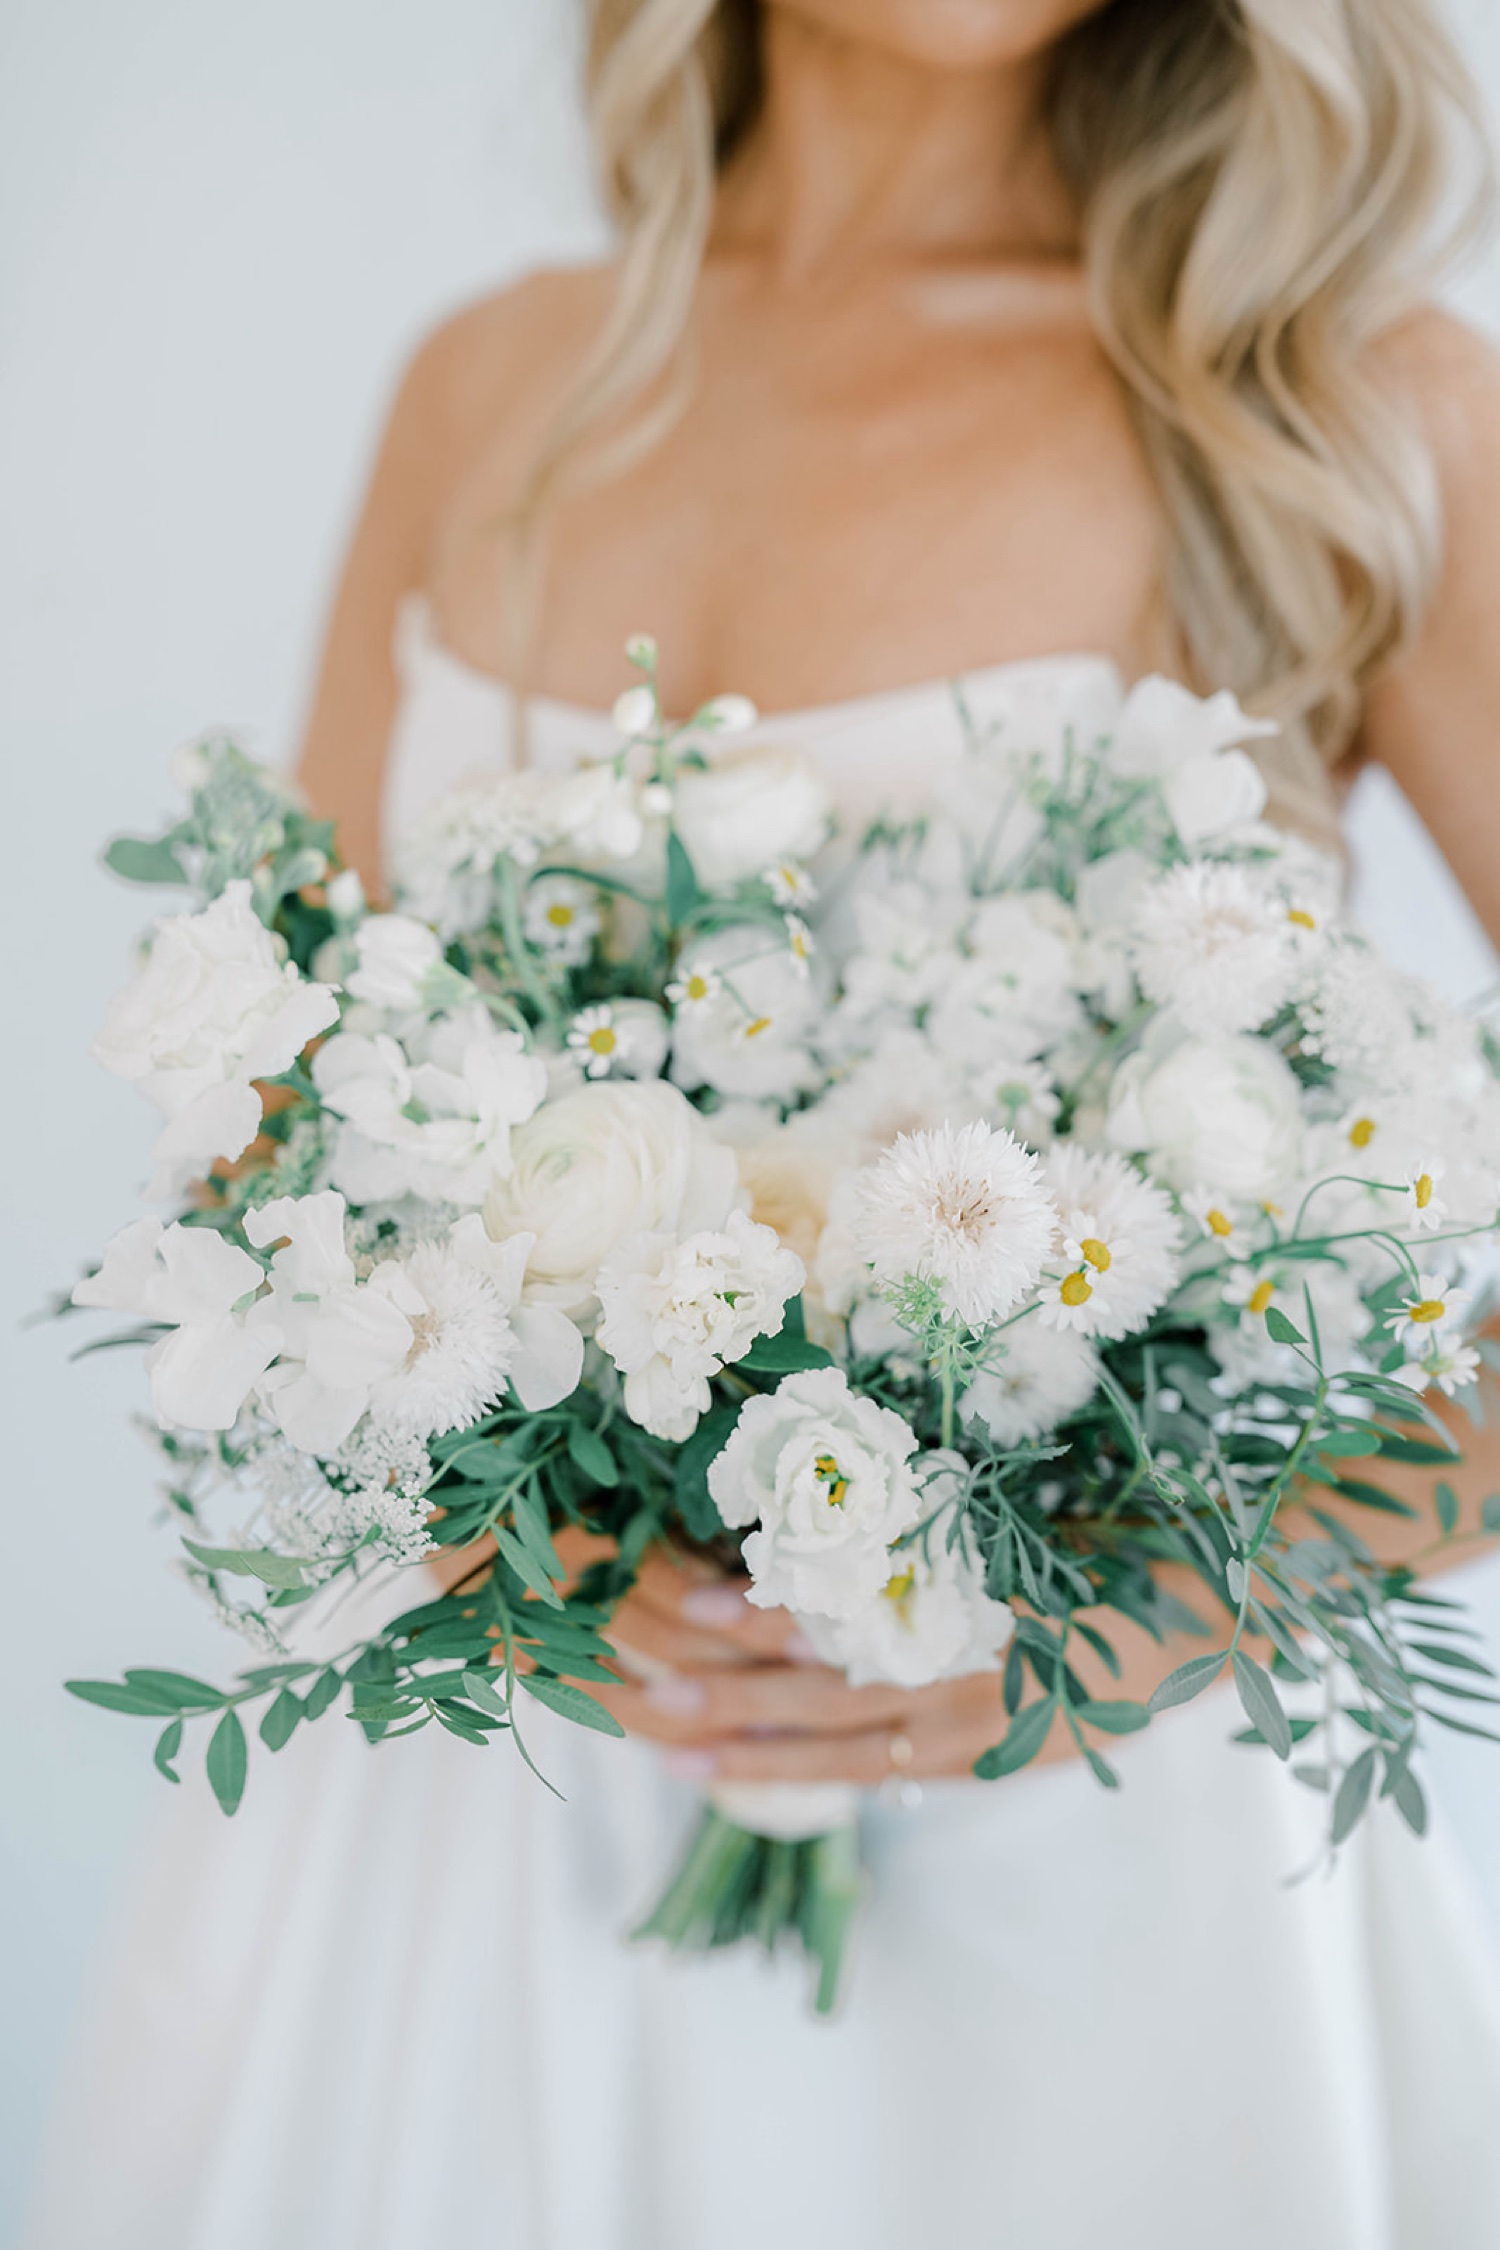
(798, 1649)
(714, 1605)
(676, 1693)
(690, 1765)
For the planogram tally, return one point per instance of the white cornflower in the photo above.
(1358, 1016)
(1032, 1378)
(1434, 1306)
(562, 918)
(1121, 1236)
(826, 1475)
(1212, 947)
(676, 1313)
(963, 1206)
(790, 884)
(1425, 1208)
(461, 1342)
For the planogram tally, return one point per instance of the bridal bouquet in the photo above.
(957, 1221)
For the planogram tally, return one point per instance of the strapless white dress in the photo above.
(391, 2006)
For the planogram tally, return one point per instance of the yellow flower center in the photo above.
(1427, 1310)
(1219, 1222)
(697, 986)
(1076, 1289)
(899, 1589)
(1261, 1296)
(1097, 1253)
(754, 1030)
(835, 1484)
(1362, 1132)
(602, 1040)
(560, 915)
(1302, 920)
(1422, 1190)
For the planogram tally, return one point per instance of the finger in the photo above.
(714, 1710)
(718, 1605)
(936, 1753)
(649, 1641)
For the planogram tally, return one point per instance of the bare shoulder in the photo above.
(1450, 373)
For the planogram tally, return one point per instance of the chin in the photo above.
(947, 34)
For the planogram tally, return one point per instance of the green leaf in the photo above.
(534, 1531)
(1114, 1718)
(281, 1720)
(144, 859)
(228, 1761)
(1372, 1496)
(177, 1690)
(1188, 1680)
(1262, 1703)
(1280, 1329)
(527, 1567)
(481, 1690)
(1446, 1502)
(1349, 1445)
(1438, 1652)
(249, 1562)
(322, 1692)
(570, 1702)
(1024, 1737)
(1353, 1795)
(1489, 1514)
(690, 1492)
(111, 1696)
(683, 892)
(1013, 1682)
(784, 1355)
(1406, 1792)
(592, 1455)
(1101, 1769)
(168, 1743)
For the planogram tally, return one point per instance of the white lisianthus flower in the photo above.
(673, 1314)
(1221, 1114)
(194, 1282)
(1031, 1379)
(826, 1476)
(435, 1123)
(1118, 1261)
(1191, 745)
(337, 1337)
(748, 810)
(748, 1037)
(213, 1007)
(612, 1160)
(562, 918)
(931, 1620)
(1210, 945)
(471, 1335)
(619, 1038)
(963, 1206)
(399, 959)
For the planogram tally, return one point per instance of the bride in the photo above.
(995, 338)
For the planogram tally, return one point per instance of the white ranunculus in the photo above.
(826, 1475)
(748, 810)
(612, 1160)
(435, 1122)
(1223, 1114)
(398, 959)
(338, 1337)
(746, 1036)
(192, 1280)
(931, 1620)
(1191, 745)
(213, 1007)
(674, 1313)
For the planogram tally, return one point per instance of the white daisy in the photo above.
(562, 918)
(1121, 1236)
(963, 1206)
(1435, 1304)
(1442, 1365)
(695, 987)
(625, 1039)
(1425, 1208)
(799, 940)
(1222, 1222)
(790, 884)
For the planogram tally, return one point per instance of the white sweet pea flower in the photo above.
(674, 1314)
(194, 1282)
(963, 1206)
(750, 809)
(1191, 745)
(436, 1122)
(611, 1160)
(1209, 944)
(400, 960)
(212, 1008)
(338, 1337)
(826, 1475)
(931, 1620)
(1031, 1379)
(1220, 1114)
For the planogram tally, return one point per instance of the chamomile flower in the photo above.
(789, 884)
(1425, 1208)
(594, 1040)
(799, 941)
(1419, 1317)
(1221, 1221)
(695, 987)
(963, 1206)
(1120, 1238)
(1252, 1292)
(619, 1039)
(562, 918)
(1441, 1365)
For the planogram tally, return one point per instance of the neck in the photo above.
(860, 155)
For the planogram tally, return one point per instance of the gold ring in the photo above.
(900, 1751)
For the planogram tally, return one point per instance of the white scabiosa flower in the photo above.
(963, 1206)
(826, 1476)
(1031, 1379)
(748, 1037)
(196, 1284)
(1210, 945)
(673, 1314)
(1118, 1260)
(561, 918)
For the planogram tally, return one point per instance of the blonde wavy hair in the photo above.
(1264, 186)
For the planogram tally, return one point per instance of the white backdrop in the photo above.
(221, 230)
